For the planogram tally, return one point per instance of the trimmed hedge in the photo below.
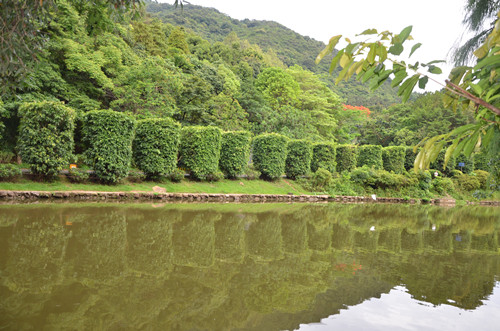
(46, 136)
(347, 157)
(409, 158)
(156, 145)
(108, 136)
(370, 155)
(235, 152)
(200, 151)
(393, 158)
(269, 154)
(298, 159)
(324, 156)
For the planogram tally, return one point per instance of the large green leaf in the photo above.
(329, 48)
(405, 33)
(414, 48)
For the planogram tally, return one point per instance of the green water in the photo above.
(248, 267)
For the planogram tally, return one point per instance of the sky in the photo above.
(437, 24)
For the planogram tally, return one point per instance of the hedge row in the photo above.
(325, 157)
(235, 151)
(269, 154)
(298, 160)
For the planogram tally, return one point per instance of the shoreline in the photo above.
(21, 196)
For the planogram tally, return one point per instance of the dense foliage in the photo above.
(324, 156)
(235, 152)
(108, 136)
(370, 155)
(199, 151)
(298, 159)
(269, 155)
(156, 145)
(394, 158)
(347, 157)
(46, 136)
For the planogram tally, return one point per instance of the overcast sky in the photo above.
(436, 23)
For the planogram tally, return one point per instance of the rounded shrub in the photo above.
(370, 155)
(156, 145)
(200, 151)
(482, 176)
(9, 172)
(269, 154)
(235, 152)
(393, 158)
(298, 159)
(346, 157)
(321, 179)
(108, 136)
(324, 156)
(46, 136)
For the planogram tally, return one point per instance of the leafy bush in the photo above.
(156, 145)
(298, 159)
(135, 176)
(251, 173)
(481, 161)
(6, 157)
(46, 136)
(370, 155)
(177, 175)
(324, 156)
(424, 179)
(442, 185)
(346, 157)
(76, 175)
(409, 158)
(9, 172)
(468, 164)
(200, 150)
(216, 176)
(468, 183)
(393, 158)
(382, 179)
(321, 179)
(269, 154)
(235, 151)
(482, 176)
(108, 136)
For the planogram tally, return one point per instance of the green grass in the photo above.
(283, 186)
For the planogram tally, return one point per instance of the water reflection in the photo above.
(222, 267)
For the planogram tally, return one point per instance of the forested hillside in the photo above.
(291, 47)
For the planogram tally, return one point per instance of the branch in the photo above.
(473, 98)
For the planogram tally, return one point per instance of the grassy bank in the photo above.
(283, 186)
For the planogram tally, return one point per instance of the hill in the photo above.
(291, 47)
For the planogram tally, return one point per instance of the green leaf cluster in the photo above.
(298, 159)
(347, 157)
(393, 158)
(155, 146)
(108, 136)
(46, 136)
(199, 151)
(235, 152)
(370, 155)
(324, 156)
(269, 154)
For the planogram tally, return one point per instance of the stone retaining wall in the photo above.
(212, 197)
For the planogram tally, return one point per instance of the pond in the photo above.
(314, 267)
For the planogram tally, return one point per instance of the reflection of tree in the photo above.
(390, 239)
(343, 237)
(439, 239)
(294, 234)
(194, 239)
(149, 248)
(319, 236)
(264, 238)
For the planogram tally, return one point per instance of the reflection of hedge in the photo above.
(343, 237)
(200, 150)
(298, 159)
(319, 237)
(269, 154)
(194, 240)
(235, 152)
(294, 232)
(264, 238)
(394, 158)
(46, 136)
(370, 155)
(346, 157)
(230, 238)
(155, 146)
(324, 156)
(108, 135)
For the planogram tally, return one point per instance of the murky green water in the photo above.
(248, 267)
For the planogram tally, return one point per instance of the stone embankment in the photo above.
(208, 197)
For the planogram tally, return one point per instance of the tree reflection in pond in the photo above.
(213, 267)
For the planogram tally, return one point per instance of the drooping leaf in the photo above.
(422, 82)
(368, 32)
(435, 70)
(398, 77)
(396, 49)
(405, 33)
(329, 48)
(414, 48)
